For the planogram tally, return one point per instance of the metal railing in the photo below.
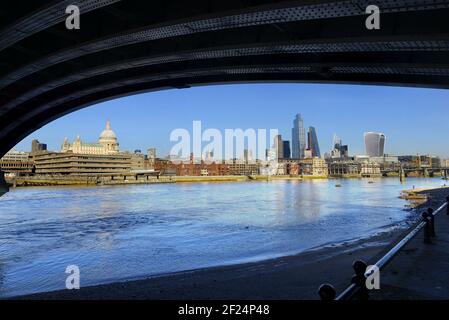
(357, 289)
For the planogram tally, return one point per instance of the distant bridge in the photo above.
(423, 170)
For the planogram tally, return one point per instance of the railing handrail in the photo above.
(389, 256)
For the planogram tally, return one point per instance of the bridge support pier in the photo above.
(3, 185)
(402, 175)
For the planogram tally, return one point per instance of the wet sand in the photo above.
(294, 277)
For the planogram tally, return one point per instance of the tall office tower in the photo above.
(374, 144)
(287, 152)
(313, 142)
(339, 150)
(208, 156)
(336, 142)
(247, 155)
(344, 151)
(37, 147)
(298, 138)
(279, 146)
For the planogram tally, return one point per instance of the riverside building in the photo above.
(314, 167)
(69, 163)
(192, 168)
(16, 162)
(79, 158)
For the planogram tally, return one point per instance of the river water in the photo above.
(117, 233)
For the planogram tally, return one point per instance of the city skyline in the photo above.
(146, 120)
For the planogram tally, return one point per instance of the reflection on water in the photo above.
(129, 232)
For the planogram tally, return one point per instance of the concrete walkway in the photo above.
(419, 271)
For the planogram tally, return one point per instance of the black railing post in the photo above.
(427, 228)
(359, 279)
(432, 222)
(327, 292)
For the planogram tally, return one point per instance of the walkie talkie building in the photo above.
(374, 144)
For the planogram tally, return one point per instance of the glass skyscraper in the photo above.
(374, 144)
(298, 138)
(313, 142)
(279, 146)
(287, 152)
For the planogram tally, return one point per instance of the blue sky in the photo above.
(414, 120)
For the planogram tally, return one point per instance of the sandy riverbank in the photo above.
(130, 180)
(293, 277)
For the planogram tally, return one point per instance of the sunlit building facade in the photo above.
(107, 144)
(16, 161)
(298, 138)
(374, 144)
(68, 163)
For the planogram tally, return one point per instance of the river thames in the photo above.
(119, 233)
